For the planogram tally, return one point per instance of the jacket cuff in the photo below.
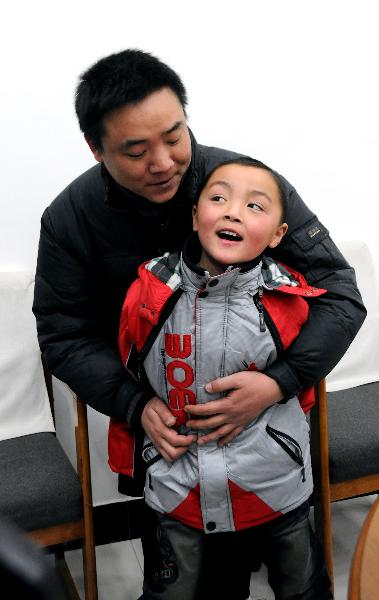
(285, 378)
(135, 409)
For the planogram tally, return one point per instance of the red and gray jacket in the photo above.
(181, 328)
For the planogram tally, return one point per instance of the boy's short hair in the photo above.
(246, 161)
(117, 80)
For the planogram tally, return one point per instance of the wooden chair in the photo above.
(40, 491)
(364, 572)
(344, 430)
(345, 453)
(43, 494)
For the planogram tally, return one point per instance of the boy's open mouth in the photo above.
(231, 236)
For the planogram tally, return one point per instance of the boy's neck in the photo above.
(193, 257)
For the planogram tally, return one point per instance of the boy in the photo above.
(219, 308)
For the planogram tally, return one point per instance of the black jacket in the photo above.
(93, 237)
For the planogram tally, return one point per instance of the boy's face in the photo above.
(146, 146)
(238, 215)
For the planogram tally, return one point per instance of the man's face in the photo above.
(238, 215)
(146, 146)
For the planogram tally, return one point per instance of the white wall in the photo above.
(293, 83)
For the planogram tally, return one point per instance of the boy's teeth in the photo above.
(229, 235)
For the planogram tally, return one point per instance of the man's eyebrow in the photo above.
(125, 144)
(175, 126)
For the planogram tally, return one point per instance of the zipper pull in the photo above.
(299, 454)
(262, 326)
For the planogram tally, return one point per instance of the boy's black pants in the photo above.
(184, 563)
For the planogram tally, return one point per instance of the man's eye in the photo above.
(139, 155)
(173, 142)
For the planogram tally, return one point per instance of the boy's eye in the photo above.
(255, 206)
(217, 198)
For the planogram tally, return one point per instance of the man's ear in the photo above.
(277, 237)
(194, 218)
(95, 151)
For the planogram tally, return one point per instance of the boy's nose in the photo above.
(232, 217)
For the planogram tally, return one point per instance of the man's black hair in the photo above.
(120, 79)
(246, 161)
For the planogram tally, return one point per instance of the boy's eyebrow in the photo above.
(260, 193)
(125, 144)
(252, 192)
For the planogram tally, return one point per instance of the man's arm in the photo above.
(69, 334)
(334, 319)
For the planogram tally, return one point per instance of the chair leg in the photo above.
(65, 576)
(84, 469)
(320, 467)
(89, 569)
(323, 530)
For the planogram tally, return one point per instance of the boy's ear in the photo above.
(194, 218)
(97, 153)
(277, 238)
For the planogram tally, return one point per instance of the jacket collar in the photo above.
(192, 255)
(247, 275)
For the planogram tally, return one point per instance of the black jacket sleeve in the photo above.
(334, 318)
(69, 334)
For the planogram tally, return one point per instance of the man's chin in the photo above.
(160, 196)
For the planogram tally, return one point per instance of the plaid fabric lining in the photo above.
(275, 275)
(167, 269)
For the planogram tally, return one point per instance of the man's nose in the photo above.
(160, 161)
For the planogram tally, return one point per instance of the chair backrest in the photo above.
(24, 406)
(360, 364)
(40, 490)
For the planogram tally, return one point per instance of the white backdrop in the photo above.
(292, 83)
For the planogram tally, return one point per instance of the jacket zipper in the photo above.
(265, 319)
(168, 308)
(281, 438)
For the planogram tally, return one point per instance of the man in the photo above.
(136, 204)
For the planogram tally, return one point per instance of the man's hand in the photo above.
(158, 422)
(250, 392)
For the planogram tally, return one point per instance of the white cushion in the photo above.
(24, 403)
(360, 364)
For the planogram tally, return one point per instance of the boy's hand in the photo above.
(158, 423)
(250, 392)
